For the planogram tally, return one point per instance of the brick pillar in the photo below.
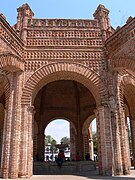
(86, 144)
(117, 157)
(1, 133)
(41, 141)
(11, 129)
(23, 142)
(91, 142)
(72, 142)
(41, 145)
(31, 113)
(26, 142)
(104, 140)
(80, 143)
(4, 170)
(120, 143)
(124, 143)
(132, 122)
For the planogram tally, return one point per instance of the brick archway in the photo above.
(63, 70)
(128, 91)
(127, 80)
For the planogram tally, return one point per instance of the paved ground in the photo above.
(80, 177)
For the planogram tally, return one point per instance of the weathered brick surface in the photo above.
(71, 69)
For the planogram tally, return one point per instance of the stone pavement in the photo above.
(80, 177)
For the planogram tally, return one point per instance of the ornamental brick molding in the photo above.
(76, 69)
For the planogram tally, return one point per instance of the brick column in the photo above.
(122, 125)
(86, 144)
(2, 114)
(4, 165)
(41, 141)
(72, 142)
(124, 143)
(26, 142)
(12, 129)
(91, 150)
(104, 140)
(31, 113)
(117, 156)
(132, 122)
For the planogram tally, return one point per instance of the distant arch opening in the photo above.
(57, 136)
(90, 139)
(61, 99)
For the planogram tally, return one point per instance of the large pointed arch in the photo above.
(59, 71)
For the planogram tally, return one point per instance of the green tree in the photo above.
(50, 140)
(65, 140)
(129, 135)
(94, 135)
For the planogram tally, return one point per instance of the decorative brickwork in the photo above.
(71, 69)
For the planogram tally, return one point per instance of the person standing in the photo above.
(60, 158)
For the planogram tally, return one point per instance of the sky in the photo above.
(60, 128)
(120, 10)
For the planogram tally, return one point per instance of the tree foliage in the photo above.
(65, 140)
(94, 134)
(50, 140)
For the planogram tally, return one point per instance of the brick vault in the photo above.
(74, 69)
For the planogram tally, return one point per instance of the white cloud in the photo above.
(58, 129)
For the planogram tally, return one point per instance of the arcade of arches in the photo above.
(72, 69)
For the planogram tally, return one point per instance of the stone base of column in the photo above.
(106, 172)
(118, 171)
(0, 173)
(126, 170)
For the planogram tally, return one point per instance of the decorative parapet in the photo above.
(121, 37)
(11, 62)
(10, 37)
(85, 23)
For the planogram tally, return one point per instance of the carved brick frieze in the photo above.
(63, 55)
(63, 23)
(32, 66)
(65, 42)
(39, 33)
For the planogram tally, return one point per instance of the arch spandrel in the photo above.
(63, 71)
